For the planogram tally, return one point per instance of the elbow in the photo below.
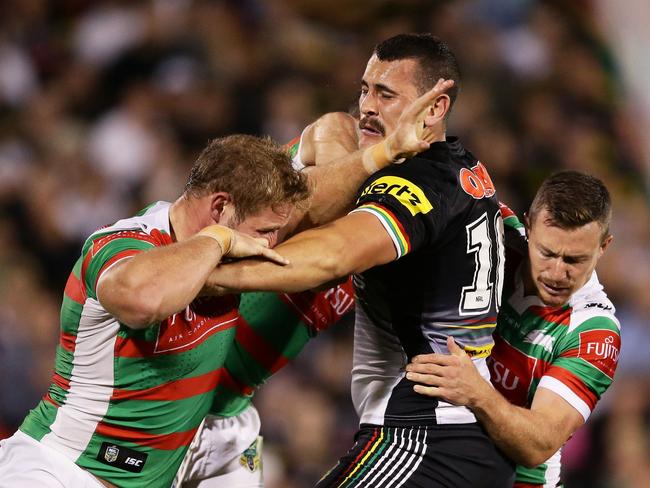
(536, 456)
(338, 124)
(532, 461)
(338, 262)
(135, 307)
(139, 315)
(138, 311)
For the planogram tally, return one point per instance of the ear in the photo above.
(441, 106)
(606, 242)
(218, 202)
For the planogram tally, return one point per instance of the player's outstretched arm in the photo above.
(350, 244)
(155, 284)
(334, 184)
(527, 436)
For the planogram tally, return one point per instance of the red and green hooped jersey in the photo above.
(293, 147)
(125, 404)
(571, 350)
(273, 329)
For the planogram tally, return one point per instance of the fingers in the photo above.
(431, 391)
(261, 241)
(427, 368)
(454, 348)
(440, 359)
(271, 255)
(425, 379)
(424, 101)
(245, 246)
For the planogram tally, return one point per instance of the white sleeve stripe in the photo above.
(385, 225)
(556, 386)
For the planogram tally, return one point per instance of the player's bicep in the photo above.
(108, 289)
(561, 417)
(367, 240)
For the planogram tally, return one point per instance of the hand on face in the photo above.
(416, 127)
(243, 246)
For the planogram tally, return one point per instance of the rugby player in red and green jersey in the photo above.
(557, 340)
(273, 329)
(139, 354)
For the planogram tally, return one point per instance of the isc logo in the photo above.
(133, 461)
(408, 194)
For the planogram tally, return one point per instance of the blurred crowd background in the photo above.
(104, 105)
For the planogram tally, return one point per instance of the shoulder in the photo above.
(150, 226)
(333, 128)
(592, 309)
(404, 184)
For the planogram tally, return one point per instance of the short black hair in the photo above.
(433, 55)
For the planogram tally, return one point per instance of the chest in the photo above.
(195, 325)
(525, 347)
(192, 342)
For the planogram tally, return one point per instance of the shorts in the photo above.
(448, 455)
(26, 463)
(226, 451)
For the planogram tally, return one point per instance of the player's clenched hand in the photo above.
(244, 246)
(413, 133)
(452, 377)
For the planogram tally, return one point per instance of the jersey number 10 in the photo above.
(477, 298)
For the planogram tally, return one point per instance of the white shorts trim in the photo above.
(216, 453)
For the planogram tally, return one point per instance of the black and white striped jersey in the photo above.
(441, 211)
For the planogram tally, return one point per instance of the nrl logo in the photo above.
(111, 454)
(250, 458)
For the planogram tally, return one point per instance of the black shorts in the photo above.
(450, 456)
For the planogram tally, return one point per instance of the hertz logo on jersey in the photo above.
(407, 193)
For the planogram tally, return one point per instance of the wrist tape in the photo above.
(223, 235)
(376, 157)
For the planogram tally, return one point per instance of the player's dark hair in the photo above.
(573, 199)
(256, 172)
(434, 58)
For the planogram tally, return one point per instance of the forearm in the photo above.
(313, 260)
(351, 244)
(525, 436)
(334, 187)
(156, 284)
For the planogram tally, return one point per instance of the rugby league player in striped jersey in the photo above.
(425, 242)
(557, 340)
(139, 354)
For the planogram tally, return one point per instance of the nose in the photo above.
(558, 271)
(368, 105)
(272, 238)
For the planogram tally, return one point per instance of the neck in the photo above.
(439, 135)
(186, 217)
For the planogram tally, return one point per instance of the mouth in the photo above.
(371, 128)
(556, 291)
